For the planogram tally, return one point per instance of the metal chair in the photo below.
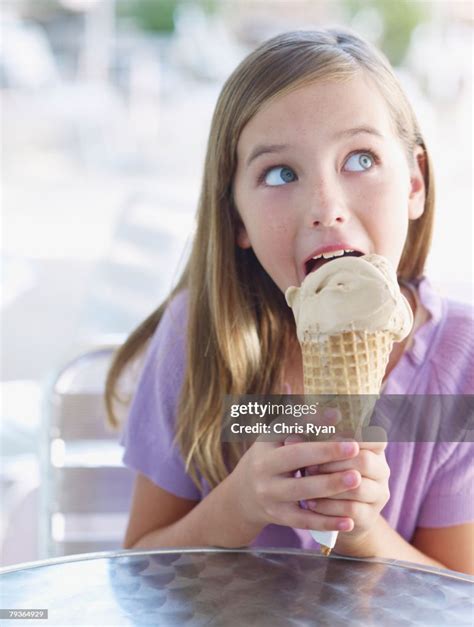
(87, 489)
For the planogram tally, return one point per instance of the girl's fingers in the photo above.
(328, 417)
(367, 491)
(291, 458)
(328, 507)
(370, 438)
(319, 486)
(369, 464)
(305, 519)
(374, 439)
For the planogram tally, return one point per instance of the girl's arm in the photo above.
(453, 546)
(152, 508)
(446, 547)
(262, 489)
(161, 519)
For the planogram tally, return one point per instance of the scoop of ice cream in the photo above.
(350, 294)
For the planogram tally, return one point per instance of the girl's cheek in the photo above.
(279, 234)
(369, 189)
(390, 191)
(277, 215)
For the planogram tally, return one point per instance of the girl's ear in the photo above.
(416, 199)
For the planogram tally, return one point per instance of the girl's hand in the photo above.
(265, 486)
(362, 504)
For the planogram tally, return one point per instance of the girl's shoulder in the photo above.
(159, 372)
(171, 329)
(176, 311)
(163, 360)
(455, 336)
(459, 320)
(445, 344)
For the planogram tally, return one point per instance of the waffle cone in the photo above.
(352, 365)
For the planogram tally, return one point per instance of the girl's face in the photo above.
(321, 169)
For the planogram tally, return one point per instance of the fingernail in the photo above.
(347, 448)
(344, 525)
(349, 479)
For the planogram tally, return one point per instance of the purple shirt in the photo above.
(431, 484)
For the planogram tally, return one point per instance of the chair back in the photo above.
(88, 489)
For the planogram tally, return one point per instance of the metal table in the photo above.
(265, 587)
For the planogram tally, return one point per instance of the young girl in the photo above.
(313, 146)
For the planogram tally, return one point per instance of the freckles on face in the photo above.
(385, 217)
(273, 240)
(299, 185)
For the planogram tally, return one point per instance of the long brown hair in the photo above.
(239, 325)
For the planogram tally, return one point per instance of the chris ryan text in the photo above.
(282, 428)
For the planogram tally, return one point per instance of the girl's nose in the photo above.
(329, 219)
(326, 208)
(327, 214)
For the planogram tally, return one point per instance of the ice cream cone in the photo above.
(350, 365)
(348, 314)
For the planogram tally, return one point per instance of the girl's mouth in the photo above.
(319, 260)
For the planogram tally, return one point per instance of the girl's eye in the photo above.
(279, 175)
(361, 161)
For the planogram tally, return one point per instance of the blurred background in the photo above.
(106, 106)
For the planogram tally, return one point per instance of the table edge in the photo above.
(79, 557)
